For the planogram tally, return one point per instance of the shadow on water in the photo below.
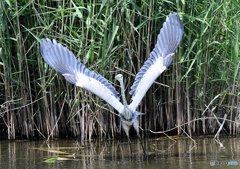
(162, 153)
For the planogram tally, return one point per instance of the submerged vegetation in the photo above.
(112, 37)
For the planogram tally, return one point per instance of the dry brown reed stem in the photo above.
(57, 119)
(39, 130)
(205, 68)
(102, 107)
(44, 84)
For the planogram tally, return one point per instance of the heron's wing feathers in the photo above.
(160, 58)
(64, 61)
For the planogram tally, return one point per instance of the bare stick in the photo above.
(10, 101)
(221, 145)
(216, 116)
(21, 106)
(57, 119)
(210, 103)
(106, 109)
(135, 75)
(159, 132)
(39, 130)
(169, 137)
(219, 130)
(188, 135)
(2, 106)
(218, 121)
(217, 135)
(100, 125)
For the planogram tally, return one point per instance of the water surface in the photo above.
(181, 152)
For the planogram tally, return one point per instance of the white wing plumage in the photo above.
(64, 62)
(160, 58)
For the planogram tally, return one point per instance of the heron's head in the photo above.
(119, 77)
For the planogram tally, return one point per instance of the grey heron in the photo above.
(63, 61)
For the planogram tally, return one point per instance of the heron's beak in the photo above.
(117, 77)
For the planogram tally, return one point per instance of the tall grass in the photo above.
(112, 37)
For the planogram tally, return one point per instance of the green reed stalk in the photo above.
(112, 37)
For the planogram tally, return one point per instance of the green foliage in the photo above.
(112, 37)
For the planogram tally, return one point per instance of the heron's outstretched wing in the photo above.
(64, 61)
(160, 58)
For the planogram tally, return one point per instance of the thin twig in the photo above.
(39, 130)
(219, 130)
(188, 135)
(161, 132)
(100, 125)
(21, 106)
(98, 121)
(218, 121)
(127, 72)
(102, 107)
(210, 103)
(169, 137)
(215, 116)
(10, 101)
(57, 119)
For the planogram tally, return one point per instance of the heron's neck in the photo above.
(123, 93)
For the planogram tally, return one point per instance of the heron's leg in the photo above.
(129, 141)
(126, 129)
(135, 125)
(142, 144)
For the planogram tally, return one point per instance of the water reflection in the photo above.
(162, 153)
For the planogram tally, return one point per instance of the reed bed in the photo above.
(112, 37)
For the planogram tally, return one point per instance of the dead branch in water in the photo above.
(219, 130)
(180, 126)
